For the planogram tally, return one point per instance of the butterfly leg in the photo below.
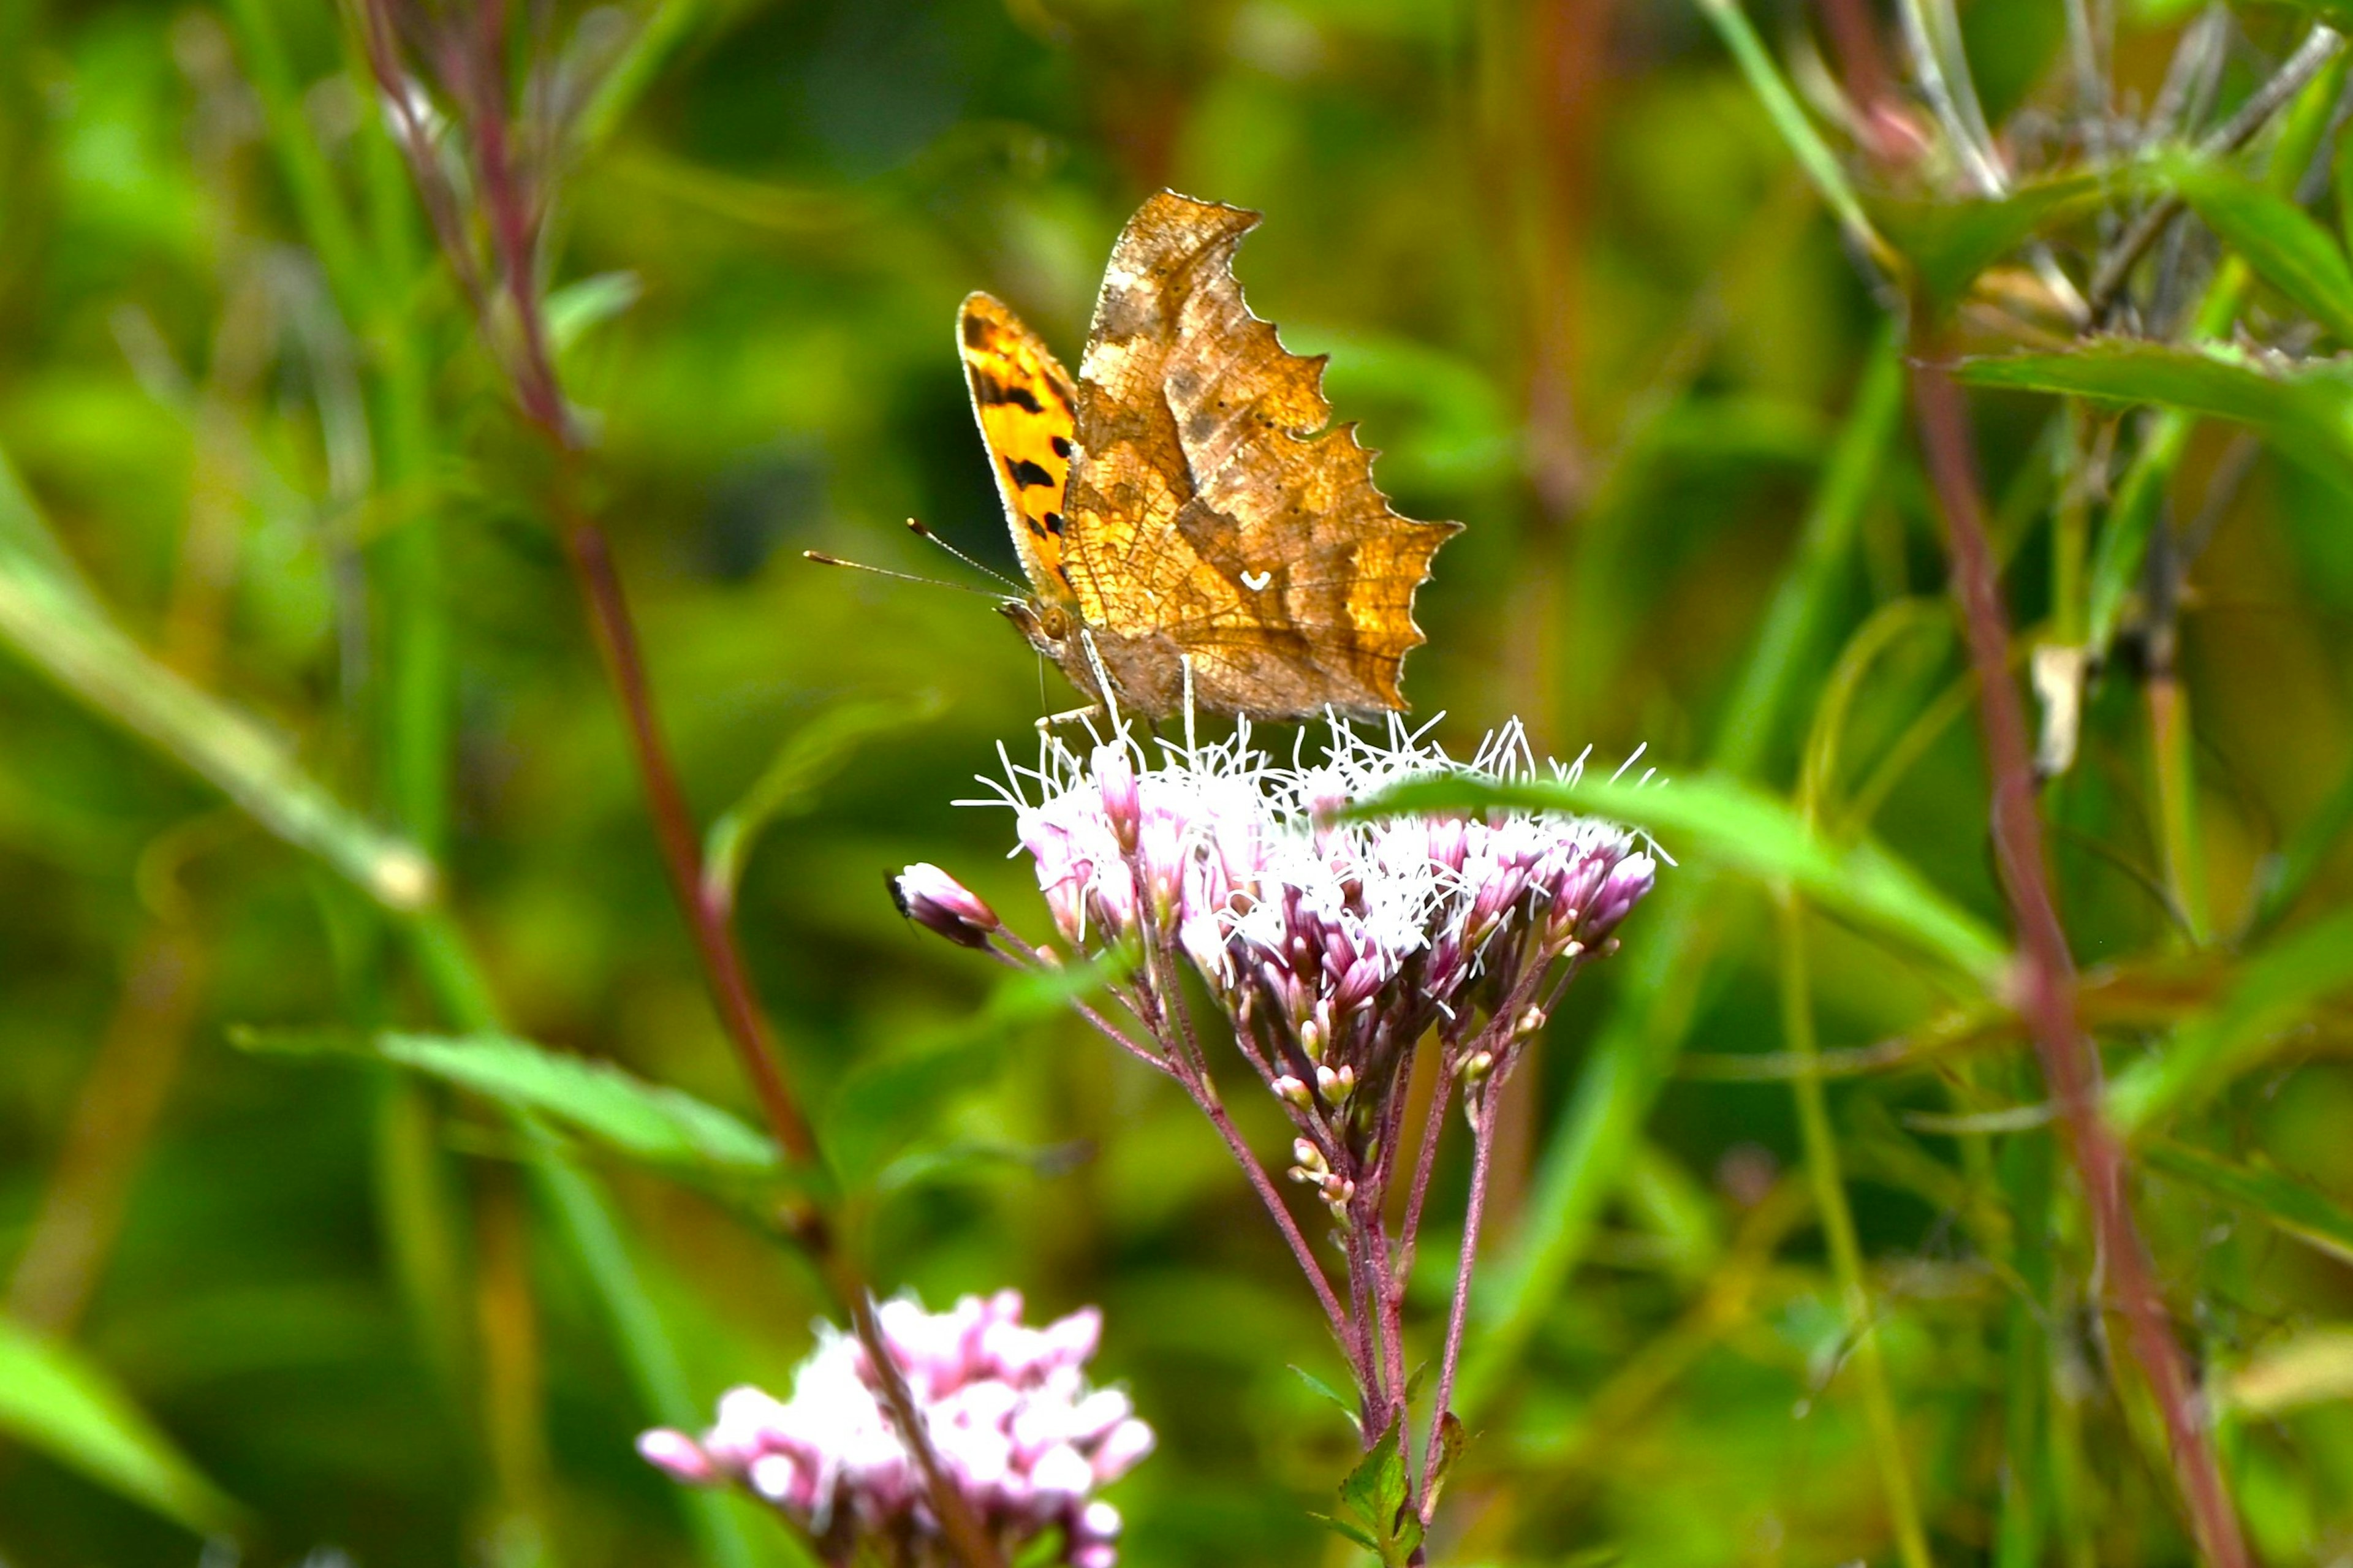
(1068, 716)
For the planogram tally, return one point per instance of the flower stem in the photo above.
(1483, 1141)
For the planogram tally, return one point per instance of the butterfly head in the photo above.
(1050, 627)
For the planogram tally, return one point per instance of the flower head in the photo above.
(1007, 1407)
(1333, 945)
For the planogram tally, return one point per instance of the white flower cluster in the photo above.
(1010, 1414)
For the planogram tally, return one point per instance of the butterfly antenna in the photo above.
(920, 531)
(822, 559)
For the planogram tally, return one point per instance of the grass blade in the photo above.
(55, 1400)
(2286, 1202)
(2273, 989)
(1748, 832)
(58, 626)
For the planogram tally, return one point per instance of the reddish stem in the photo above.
(617, 640)
(2046, 971)
(1483, 1141)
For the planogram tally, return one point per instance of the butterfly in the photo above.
(1192, 524)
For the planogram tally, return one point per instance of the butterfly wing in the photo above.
(1023, 400)
(1213, 514)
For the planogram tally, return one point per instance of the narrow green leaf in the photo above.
(2273, 989)
(2287, 246)
(1948, 242)
(597, 1099)
(1347, 1407)
(1743, 829)
(2300, 1211)
(2306, 412)
(787, 786)
(647, 1121)
(1347, 1531)
(55, 1399)
(51, 619)
(1788, 116)
(587, 303)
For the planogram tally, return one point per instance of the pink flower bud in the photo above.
(1071, 1341)
(678, 1453)
(1293, 1090)
(941, 904)
(1122, 797)
(1123, 1449)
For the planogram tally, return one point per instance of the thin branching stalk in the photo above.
(472, 68)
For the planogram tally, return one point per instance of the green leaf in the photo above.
(597, 1099)
(1748, 831)
(51, 619)
(55, 1400)
(1377, 1492)
(787, 786)
(1342, 1528)
(2306, 412)
(1347, 1407)
(579, 307)
(2286, 247)
(2288, 1204)
(1948, 243)
(2273, 989)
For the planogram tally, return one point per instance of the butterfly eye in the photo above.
(1054, 622)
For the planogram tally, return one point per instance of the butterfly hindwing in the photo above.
(1023, 399)
(1215, 517)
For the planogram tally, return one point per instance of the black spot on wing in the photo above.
(1027, 474)
(1021, 397)
(1061, 445)
(976, 330)
(1054, 523)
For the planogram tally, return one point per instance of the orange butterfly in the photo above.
(1185, 511)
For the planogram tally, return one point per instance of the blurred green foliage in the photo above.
(273, 529)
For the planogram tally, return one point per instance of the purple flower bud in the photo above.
(938, 902)
(1620, 890)
(680, 1455)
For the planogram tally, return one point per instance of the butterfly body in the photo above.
(1185, 510)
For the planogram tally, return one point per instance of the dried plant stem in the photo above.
(2045, 976)
(2318, 49)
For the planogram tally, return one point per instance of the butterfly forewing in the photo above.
(1023, 399)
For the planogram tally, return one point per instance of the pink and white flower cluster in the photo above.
(1334, 946)
(1007, 1408)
